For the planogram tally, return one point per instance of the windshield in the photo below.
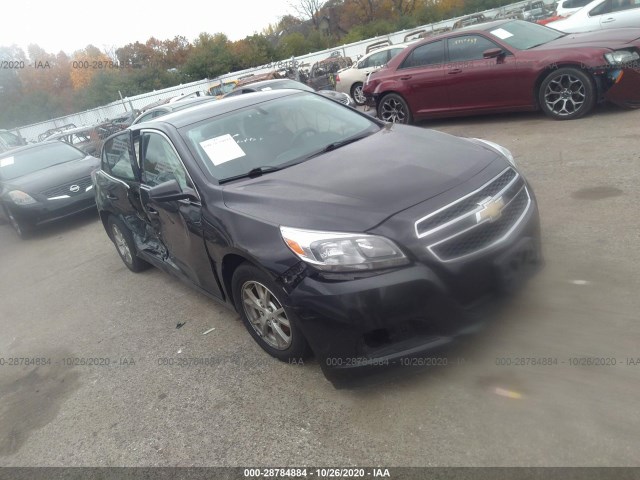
(275, 133)
(525, 35)
(24, 162)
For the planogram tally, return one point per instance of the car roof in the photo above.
(70, 131)
(275, 81)
(198, 113)
(388, 47)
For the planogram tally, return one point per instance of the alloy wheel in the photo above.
(392, 110)
(358, 95)
(122, 245)
(565, 95)
(266, 315)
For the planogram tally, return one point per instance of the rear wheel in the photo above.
(123, 240)
(260, 303)
(567, 94)
(393, 108)
(357, 94)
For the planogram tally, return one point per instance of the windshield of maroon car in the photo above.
(276, 133)
(16, 164)
(524, 35)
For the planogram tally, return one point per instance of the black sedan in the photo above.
(328, 231)
(45, 182)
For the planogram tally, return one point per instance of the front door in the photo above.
(177, 224)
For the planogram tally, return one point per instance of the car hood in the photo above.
(39, 181)
(612, 38)
(358, 186)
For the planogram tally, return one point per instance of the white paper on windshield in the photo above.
(265, 88)
(501, 33)
(5, 162)
(222, 149)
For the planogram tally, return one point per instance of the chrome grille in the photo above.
(478, 220)
(486, 234)
(465, 205)
(65, 189)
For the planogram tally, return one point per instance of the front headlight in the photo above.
(341, 252)
(621, 57)
(21, 198)
(498, 148)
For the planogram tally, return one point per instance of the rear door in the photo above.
(116, 181)
(620, 14)
(177, 224)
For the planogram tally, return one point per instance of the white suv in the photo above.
(351, 80)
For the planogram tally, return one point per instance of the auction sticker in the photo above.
(501, 33)
(222, 149)
(5, 162)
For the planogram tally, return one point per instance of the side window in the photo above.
(604, 7)
(376, 60)
(469, 47)
(116, 157)
(429, 54)
(160, 162)
(620, 5)
(394, 51)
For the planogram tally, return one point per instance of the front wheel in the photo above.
(392, 108)
(567, 94)
(22, 230)
(357, 93)
(260, 303)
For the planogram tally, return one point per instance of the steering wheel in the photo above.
(302, 133)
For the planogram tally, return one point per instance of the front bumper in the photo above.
(377, 319)
(46, 211)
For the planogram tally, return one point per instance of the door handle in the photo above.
(407, 77)
(152, 211)
(454, 71)
(608, 20)
(111, 197)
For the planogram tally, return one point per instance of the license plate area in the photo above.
(515, 266)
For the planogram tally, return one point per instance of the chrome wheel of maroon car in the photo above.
(394, 109)
(566, 94)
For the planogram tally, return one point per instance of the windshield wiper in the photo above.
(253, 173)
(336, 145)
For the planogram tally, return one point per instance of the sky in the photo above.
(71, 25)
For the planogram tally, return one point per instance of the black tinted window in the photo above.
(429, 54)
(469, 47)
(116, 157)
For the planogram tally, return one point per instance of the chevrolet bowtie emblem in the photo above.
(491, 210)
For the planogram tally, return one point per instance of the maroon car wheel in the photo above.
(566, 94)
(392, 108)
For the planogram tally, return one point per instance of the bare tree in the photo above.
(308, 9)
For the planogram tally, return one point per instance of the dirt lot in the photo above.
(66, 294)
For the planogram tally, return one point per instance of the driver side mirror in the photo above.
(170, 191)
(493, 53)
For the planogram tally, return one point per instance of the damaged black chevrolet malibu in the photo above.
(329, 232)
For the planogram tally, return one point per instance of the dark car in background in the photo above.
(44, 182)
(322, 74)
(171, 107)
(327, 230)
(508, 65)
(266, 85)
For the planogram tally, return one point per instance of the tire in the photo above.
(357, 95)
(567, 94)
(393, 108)
(23, 230)
(258, 300)
(125, 246)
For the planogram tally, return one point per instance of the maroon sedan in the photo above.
(508, 65)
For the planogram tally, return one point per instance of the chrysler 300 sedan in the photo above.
(329, 232)
(508, 65)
